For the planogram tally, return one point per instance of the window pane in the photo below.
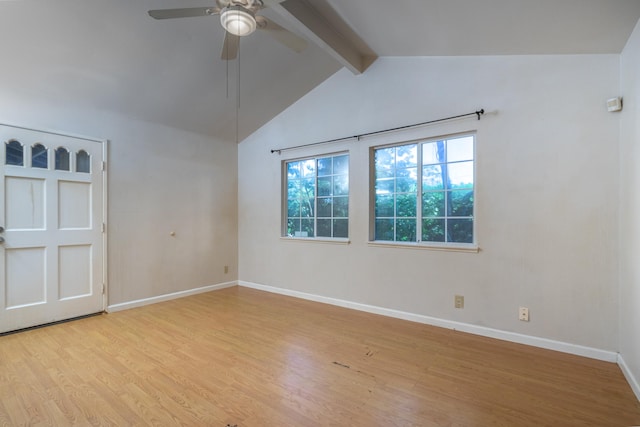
(432, 178)
(324, 207)
(406, 181)
(433, 152)
(308, 168)
(341, 185)
(39, 156)
(294, 189)
(341, 165)
(293, 170)
(406, 231)
(325, 166)
(461, 203)
(385, 162)
(460, 230)
(433, 204)
(461, 175)
(62, 159)
(293, 207)
(460, 149)
(385, 206)
(384, 229)
(433, 230)
(385, 186)
(14, 153)
(83, 162)
(307, 207)
(341, 228)
(324, 228)
(324, 186)
(341, 207)
(308, 187)
(406, 205)
(293, 225)
(306, 226)
(406, 156)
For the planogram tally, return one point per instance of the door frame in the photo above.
(105, 153)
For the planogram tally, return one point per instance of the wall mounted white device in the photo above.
(614, 104)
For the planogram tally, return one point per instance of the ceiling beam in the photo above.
(319, 23)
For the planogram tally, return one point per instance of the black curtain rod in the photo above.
(476, 113)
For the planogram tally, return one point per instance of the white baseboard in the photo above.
(166, 297)
(593, 353)
(631, 379)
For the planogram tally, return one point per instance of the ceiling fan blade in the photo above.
(184, 13)
(282, 35)
(230, 46)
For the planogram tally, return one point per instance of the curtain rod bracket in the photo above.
(479, 112)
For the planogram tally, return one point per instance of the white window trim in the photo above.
(438, 246)
(434, 246)
(284, 207)
(322, 240)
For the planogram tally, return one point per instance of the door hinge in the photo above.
(103, 227)
(103, 288)
(104, 166)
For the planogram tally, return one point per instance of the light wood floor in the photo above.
(247, 358)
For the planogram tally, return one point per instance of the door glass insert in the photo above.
(14, 153)
(39, 156)
(83, 162)
(62, 159)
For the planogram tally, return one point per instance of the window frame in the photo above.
(285, 200)
(419, 243)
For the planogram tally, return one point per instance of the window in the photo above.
(62, 159)
(39, 155)
(424, 192)
(317, 191)
(14, 153)
(83, 162)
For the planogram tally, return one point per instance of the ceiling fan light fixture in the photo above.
(238, 21)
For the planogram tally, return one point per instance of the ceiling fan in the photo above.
(239, 18)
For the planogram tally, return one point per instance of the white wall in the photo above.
(547, 165)
(630, 211)
(160, 180)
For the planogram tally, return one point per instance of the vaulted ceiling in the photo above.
(110, 55)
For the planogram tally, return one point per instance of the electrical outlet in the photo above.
(459, 301)
(523, 314)
(226, 269)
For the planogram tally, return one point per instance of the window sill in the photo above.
(450, 247)
(316, 240)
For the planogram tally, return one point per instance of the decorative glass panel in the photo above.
(39, 154)
(14, 153)
(62, 159)
(83, 162)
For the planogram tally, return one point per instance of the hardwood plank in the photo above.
(243, 357)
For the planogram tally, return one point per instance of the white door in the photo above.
(51, 214)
